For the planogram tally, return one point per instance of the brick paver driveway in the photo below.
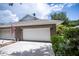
(25, 48)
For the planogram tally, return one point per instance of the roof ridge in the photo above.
(34, 18)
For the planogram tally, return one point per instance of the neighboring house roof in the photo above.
(29, 17)
(33, 22)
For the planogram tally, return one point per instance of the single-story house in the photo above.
(32, 30)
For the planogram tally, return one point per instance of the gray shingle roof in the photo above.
(28, 17)
(33, 22)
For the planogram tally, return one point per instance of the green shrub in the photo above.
(66, 41)
(73, 36)
(58, 44)
(60, 29)
(71, 33)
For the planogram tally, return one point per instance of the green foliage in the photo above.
(71, 33)
(72, 48)
(73, 23)
(73, 36)
(60, 16)
(66, 41)
(58, 44)
(60, 29)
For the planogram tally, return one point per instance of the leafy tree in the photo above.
(73, 23)
(60, 16)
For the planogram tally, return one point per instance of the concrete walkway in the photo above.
(24, 48)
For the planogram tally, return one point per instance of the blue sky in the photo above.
(42, 10)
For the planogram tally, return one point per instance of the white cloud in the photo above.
(57, 7)
(42, 11)
(70, 4)
(7, 16)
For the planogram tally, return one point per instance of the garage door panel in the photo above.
(38, 34)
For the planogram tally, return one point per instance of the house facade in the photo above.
(33, 30)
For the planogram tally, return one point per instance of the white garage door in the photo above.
(38, 34)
